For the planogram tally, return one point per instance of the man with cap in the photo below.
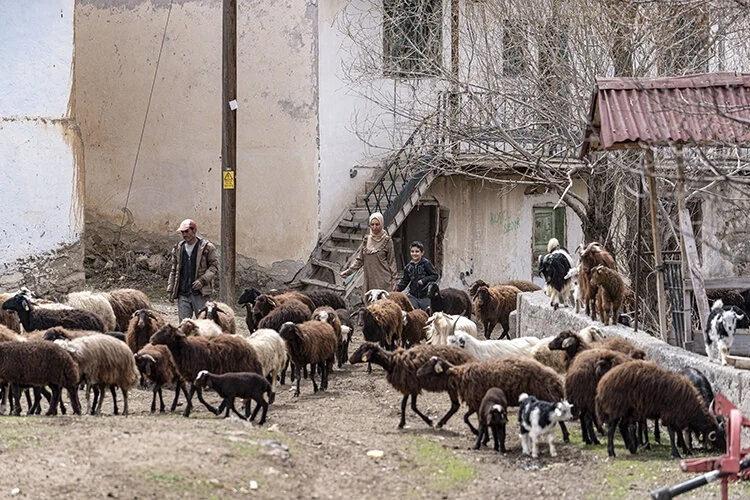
(194, 265)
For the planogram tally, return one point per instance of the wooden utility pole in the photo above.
(689, 250)
(656, 238)
(228, 151)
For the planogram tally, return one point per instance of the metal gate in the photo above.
(675, 292)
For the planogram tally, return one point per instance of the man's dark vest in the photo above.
(187, 268)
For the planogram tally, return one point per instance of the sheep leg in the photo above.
(592, 433)
(657, 434)
(189, 397)
(551, 442)
(468, 422)
(488, 327)
(199, 392)
(153, 398)
(177, 387)
(565, 433)
(455, 405)
(55, 398)
(125, 401)
(26, 393)
(282, 377)
(369, 367)
(499, 434)
(114, 400)
(92, 406)
(37, 402)
(424, 417)
(296, 373)
(480, 436)
(312, 378)
(627, 436)
(234, 409)
(584, 429)
(611, 429)
(674, 452)
(402, 422)
(505, 324)
(323, 376)
(75, 403)
(642, 435)
(262, 403)
(102, 390)
(161, 401)
(16, 394)
(681, 443)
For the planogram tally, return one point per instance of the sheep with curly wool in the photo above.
(321, 298)
(440, 326)
(514, 376)
(383, 322)
(493, 349)
(38, 318)
(310, 343)
(413, 332)
(523, 285)
(399, 298)
(328, 315)
(291, 310)
(591, 256)
(272, 354)
(610, 293)
(493, 306)
(155, 362)
(143, 323)
(221, 314)
(126, 301)
(96, 303)
(401, 368)
(200, 327)
(449, 300)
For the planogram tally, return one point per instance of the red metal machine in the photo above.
(733, 466)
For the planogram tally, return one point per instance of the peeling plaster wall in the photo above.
(178, 171)
(40, 147)
(489, 233)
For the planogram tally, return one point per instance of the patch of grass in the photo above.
(444, 470)
(166, 478)
(20, 432)
(175, 481)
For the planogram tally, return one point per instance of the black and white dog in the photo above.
(720, 329)
(555, 268)
(537, 420)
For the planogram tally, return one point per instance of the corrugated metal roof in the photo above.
(661, 111)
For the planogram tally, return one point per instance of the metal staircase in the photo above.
(405, 178)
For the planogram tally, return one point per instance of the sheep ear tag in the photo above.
(365, 357)
(438, 368)
(568, 342)
(25, 306)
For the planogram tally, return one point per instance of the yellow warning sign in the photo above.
(228, 179)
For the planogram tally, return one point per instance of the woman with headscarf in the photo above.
(376, 257)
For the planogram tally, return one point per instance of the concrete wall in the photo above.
(117, 43)
(489, 233)
(537, 319)
(40, 148)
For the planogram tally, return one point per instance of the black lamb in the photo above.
(39, 318)
(449, 300)
(244, 385)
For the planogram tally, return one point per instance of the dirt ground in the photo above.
(314, 446)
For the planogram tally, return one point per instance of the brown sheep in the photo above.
(514, 376)
(328, 315)
(157, 364)
(493, 414)
(291, 310)
(143, 323)
(524, 286)
(266, 303)
(311, 342)
(292, 295)
(591, 256)
(639, 390)
(221, 314)
(414, 329)
(125, 302)
(476, 286)
(610, 293)
(8, 335)
(580, 385)
(401, 368)
(9, 318)
(383, 322)
(493, 306)
(402, 300)
(573, 343)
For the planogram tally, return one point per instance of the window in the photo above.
(412, 37)
(548, 223)
(515, 62)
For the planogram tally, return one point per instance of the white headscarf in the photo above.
(374, 243)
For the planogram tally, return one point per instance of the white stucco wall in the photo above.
(41, 184)
(489, 234)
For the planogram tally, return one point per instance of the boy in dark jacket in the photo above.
(418, 274)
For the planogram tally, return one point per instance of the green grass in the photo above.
(442, 469)
(18, 433)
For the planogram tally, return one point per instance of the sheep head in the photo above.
(167, 335)
(606, 362)
(203, 379)
(249, 296)
(144, 317)
(483, 294)
(498, 415)
(19, 303)
(365, 353)
(145, 363)
(566, 341)
(433, 291)
(264, 304)
(458, 339)
(290, 332)
(189, 327)
(563, 411)
(56, 333)
(376, 294)
(435, 365)
(476, 285)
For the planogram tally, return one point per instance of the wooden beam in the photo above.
(731, 283)
(656, 238)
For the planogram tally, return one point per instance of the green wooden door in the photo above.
(548, 223)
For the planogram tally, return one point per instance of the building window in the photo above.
(412, 37)
(515, 60)
(548, 223)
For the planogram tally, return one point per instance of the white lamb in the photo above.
(202, 327)
(493, 349)
(440, 326)
(271, 350)
(97, 303)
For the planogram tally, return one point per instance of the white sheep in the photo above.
(97, 303)
(441, 325)
(200, 327)
(271, 351)
(493, 349)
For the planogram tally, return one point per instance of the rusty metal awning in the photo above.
(705, 109)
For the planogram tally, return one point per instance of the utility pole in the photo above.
(228, 151)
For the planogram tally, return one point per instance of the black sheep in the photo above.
(247, 299)
(449, 300)
(493, 415)
(701, 383)
(37, 318)
(328, 298)
(244, 385)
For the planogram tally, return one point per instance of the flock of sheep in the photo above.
(110, 341)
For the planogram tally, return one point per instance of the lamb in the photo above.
(494, 305)
(580, 385)
(555, 269)
(125, 302)
(493, 414)
(720, 329)
(347, 329)
(143, 324)
(610, 293)
(591, 256)
(248, 386)
(537, 420)
(328, 298)
(441, 325)
(292, 310)
(96, 303)
(39, 364)
(414, 328)
(201, 327)
(401, 368)
(156, 363)
(382, 322)
(222, 354)
(37, 318)
(449, 300)
(399, 298)
(311, 342)
(103, 362)
(221, 313)
(493, 349)
(247, 299)
(639, 390)
(514, 376)
(272, 354)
